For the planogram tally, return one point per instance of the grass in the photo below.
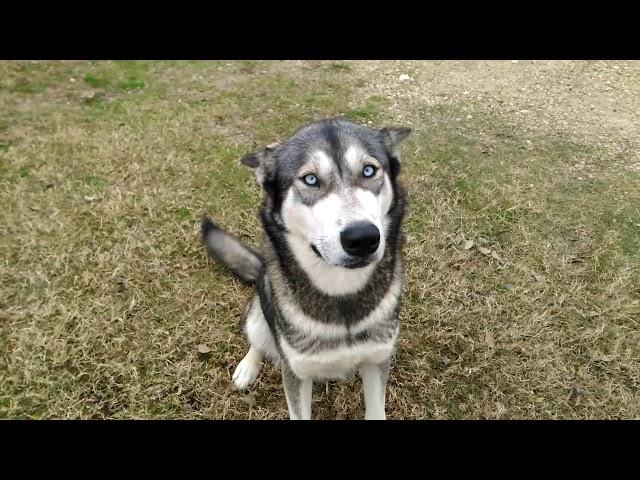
(105, 291)
(370, 110)
(96, 82)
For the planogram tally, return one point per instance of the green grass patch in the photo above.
(369, 111)
(96, 82)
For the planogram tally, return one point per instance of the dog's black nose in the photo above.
(360, 239)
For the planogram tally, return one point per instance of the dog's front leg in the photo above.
(298, 393)
(374, 381)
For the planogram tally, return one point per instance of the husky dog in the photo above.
(329, 277)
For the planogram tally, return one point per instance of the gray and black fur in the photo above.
(241, 259)
(278, 276)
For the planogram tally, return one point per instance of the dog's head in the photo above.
(331, 187)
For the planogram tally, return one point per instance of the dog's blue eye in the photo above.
(369, 171)
(310, 179)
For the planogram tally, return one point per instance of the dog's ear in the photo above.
(262, 161)
(392, 137)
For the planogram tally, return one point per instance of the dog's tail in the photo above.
(231, 252)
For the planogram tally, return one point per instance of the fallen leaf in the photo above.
(603, 358)
(495, 255)
(249, 399)
(576, 394)
(488, 337)
(492, 204)
(461, 260)
(445, 360)
(540, 279)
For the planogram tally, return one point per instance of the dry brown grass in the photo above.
(106, 293)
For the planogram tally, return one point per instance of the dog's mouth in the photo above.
(352, 264)
(316, 251)
(357, 263)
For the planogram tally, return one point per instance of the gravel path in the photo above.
(597, 103)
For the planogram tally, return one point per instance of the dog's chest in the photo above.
(331, 341)
(337, 358)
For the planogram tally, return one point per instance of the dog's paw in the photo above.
(246, 373)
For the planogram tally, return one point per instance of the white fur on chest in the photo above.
(314, 328)
(337, 363)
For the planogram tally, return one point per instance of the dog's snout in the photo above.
(360, 239)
